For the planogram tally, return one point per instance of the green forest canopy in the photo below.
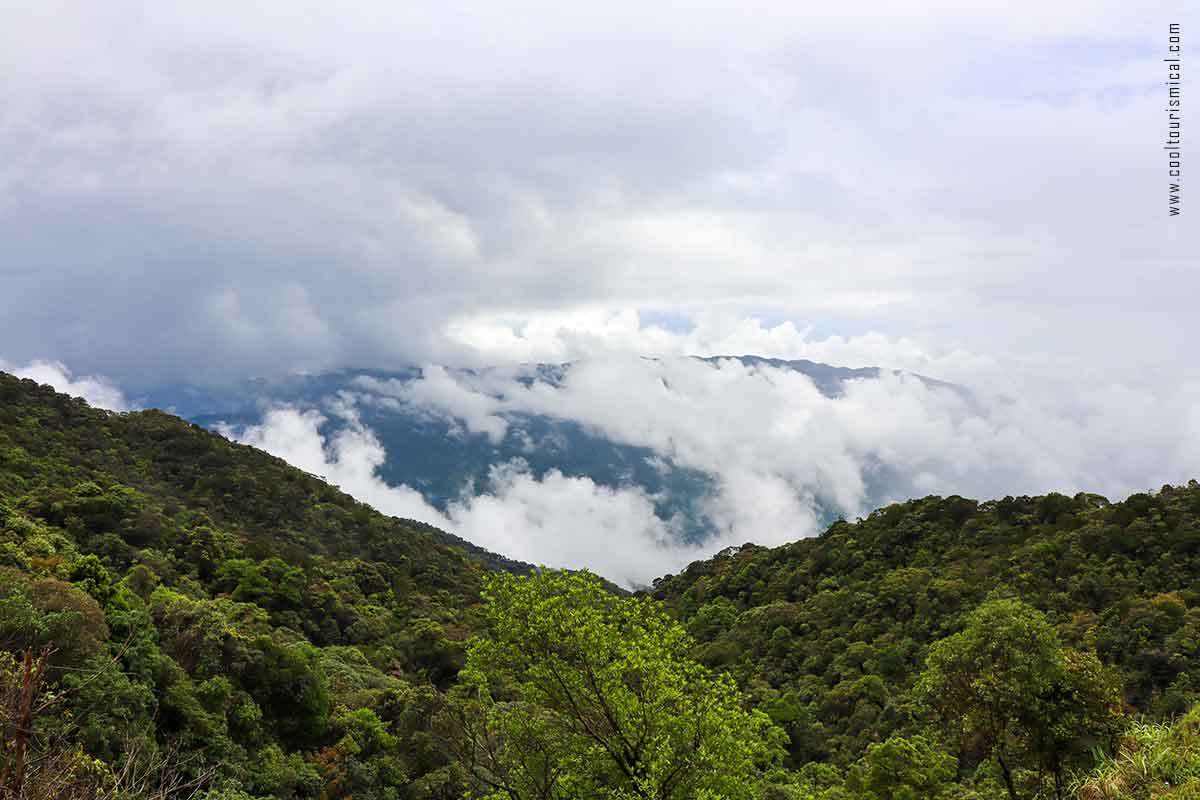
(191, 617)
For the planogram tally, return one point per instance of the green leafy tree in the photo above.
(1080, 712)
(981, 681)
(902, 769)
(583, 694)
(287, 682)
(362, 764)
(1007, 686)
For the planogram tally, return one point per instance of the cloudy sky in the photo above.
(204, 191)
(191, 189)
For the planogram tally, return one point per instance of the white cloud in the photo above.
(348, 460)
(97, 390)
(781, 453)
(780, 449)
(440, 394)
(559, 521)
(595, 332)
(571, 522)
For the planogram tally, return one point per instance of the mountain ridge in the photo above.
(296, 644)
(433, 452)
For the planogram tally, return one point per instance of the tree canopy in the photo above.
(1005, 686)
(183, 618)
(578, 693)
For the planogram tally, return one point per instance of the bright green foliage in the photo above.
(581, 694)
(902, 769)
(1153, 762)
(868, 598)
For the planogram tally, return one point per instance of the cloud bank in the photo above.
(558, 520)
(781, 453)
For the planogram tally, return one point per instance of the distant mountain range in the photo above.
(436, 455)
(186, 590)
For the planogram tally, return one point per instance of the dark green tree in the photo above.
(1006, 686)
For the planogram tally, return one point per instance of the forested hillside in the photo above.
(181, 616)
(830, 634)
(251, 609)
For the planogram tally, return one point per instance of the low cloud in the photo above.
(782, 455)
(591, 333)
(438, 394)
(96, 390)
(557, 520)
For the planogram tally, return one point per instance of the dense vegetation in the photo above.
(223, 603)
(181, 616)
(578, 694)
(830, 634)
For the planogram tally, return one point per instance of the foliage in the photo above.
(214, 623)
(1154, 761)
(579, 693)
(902, 769)
(217, 619)
(829, 634)
(1005, 684)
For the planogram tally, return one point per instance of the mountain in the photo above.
(831, 632)
(225, 481)
(221, 600)
(195, 618)
(430, 449)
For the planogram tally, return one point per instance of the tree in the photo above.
(1080, 711)
(21, 703)
(288, 683)
(41, 757)
(582, 694)
(1007, 685)
(902, 769)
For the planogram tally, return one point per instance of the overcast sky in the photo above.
(207, 190)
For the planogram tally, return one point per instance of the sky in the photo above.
(198, 192)
(297, 185)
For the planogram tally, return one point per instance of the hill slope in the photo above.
(222, 601)
(829, 633)
(222, 617)
(51, 441)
